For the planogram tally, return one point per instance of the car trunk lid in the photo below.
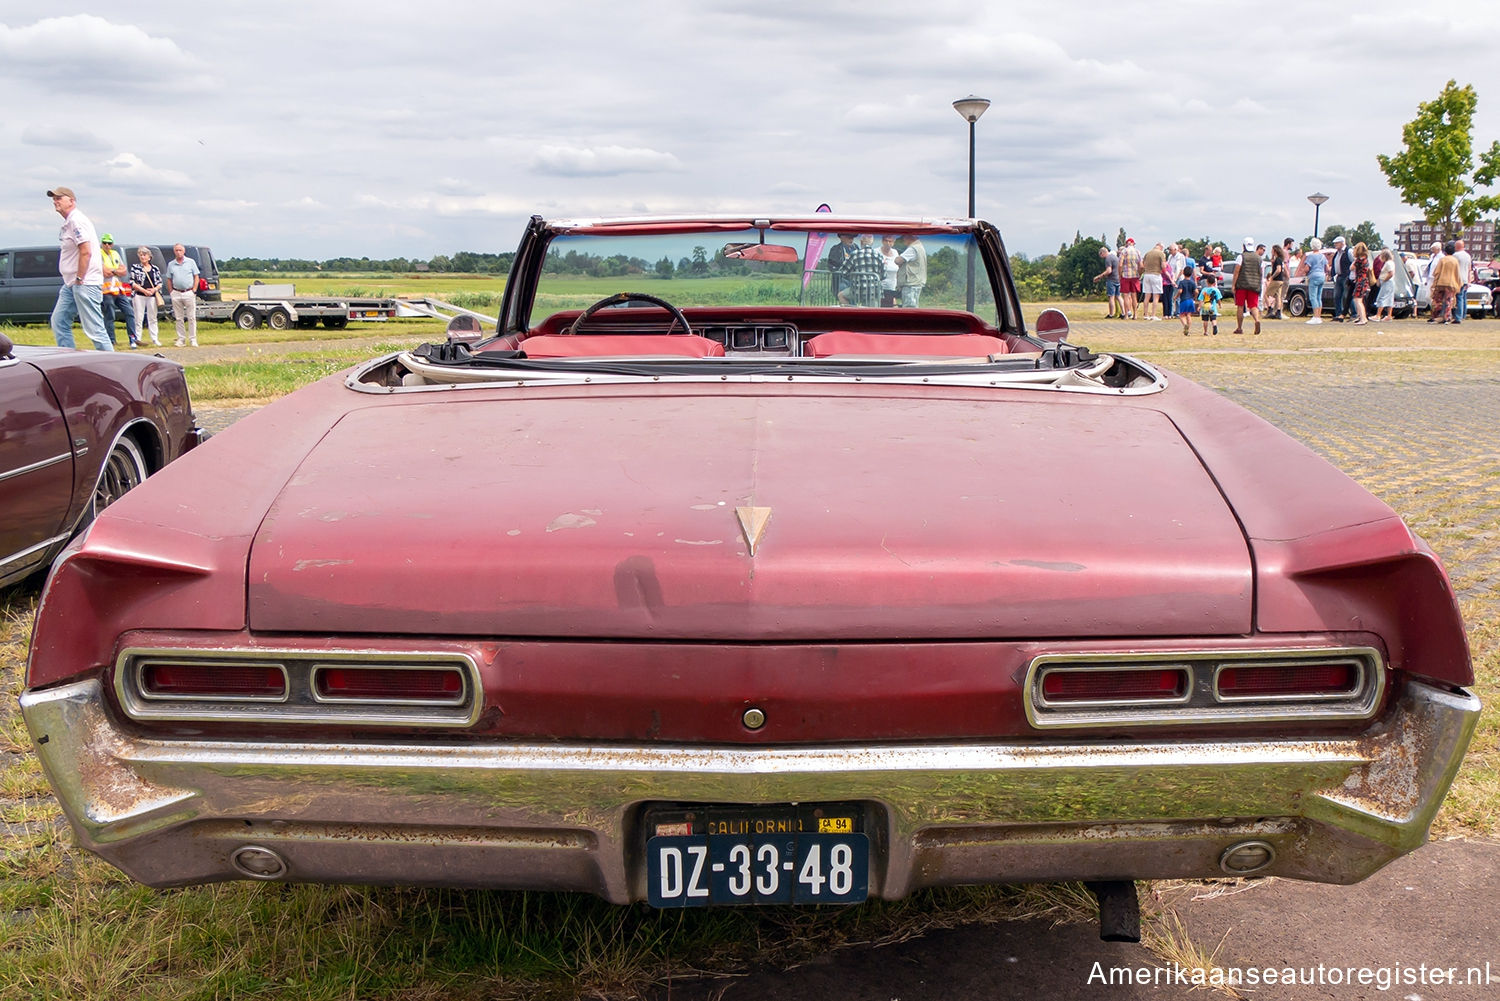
(609, 514)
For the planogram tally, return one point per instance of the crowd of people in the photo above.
(1166, 281)
(98, 288)
(866, 275)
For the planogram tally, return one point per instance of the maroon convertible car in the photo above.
(739, 587)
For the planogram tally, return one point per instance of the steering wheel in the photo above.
(619, 297)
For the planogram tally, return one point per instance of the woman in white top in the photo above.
(892, 262)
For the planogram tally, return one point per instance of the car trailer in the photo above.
(280, 308)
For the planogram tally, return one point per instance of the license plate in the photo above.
(714, 856)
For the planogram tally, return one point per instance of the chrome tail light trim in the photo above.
(1205, 703)
(301, 702)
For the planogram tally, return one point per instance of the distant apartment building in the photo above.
(1419, 236)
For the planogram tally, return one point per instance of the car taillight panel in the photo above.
(1335, 680)
(165, 680)
(292, 686)
(1136, 685)
(443, 685)
(1144, 689)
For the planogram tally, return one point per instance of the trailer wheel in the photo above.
(279, 319)
(246, 319)
(335, 322)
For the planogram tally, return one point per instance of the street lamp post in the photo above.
(970, 108)
(1317, 198)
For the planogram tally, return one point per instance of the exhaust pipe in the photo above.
(1119, 910)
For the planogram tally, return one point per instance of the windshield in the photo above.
(740, 268)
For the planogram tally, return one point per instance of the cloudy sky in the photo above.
(325, 128)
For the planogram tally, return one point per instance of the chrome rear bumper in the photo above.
(566, 816)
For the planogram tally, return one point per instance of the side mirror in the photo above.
(464, 329)
(5, 346)
(1052, 326)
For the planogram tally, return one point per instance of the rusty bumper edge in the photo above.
(565, 816)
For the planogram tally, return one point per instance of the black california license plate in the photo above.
(725, 855)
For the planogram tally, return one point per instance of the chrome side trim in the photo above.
(26, 554)
(23, 470)
(301, 704)
(1204, 704)
(460, 380)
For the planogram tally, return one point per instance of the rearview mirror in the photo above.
(761, 252)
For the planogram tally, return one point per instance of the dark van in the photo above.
(29, 281)
(29, 278)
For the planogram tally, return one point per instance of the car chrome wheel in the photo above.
(123, 471)
(1296, 303)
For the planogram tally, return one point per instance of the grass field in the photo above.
(72, 927)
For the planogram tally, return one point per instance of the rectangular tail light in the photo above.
(1335, 680)
(441, 686)
(213, 681)
(1127, 685)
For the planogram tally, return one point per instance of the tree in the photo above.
(1120, 239)
(1365, 233)
(1077, 266)
(1433, 173)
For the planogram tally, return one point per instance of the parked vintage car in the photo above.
(1477, 297)
(1297, 304)
(77, 430)
(704, 596)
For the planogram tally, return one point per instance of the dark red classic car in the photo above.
(720, 591)
(77, 430)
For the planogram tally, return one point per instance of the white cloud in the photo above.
(130, 171)
(85, 53)
(601, 161)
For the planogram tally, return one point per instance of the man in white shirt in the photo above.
(1465, 274)
(78, 261)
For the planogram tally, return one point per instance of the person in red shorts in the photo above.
(1247, 274)
(1130, 276)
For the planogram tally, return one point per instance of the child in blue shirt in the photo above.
(1208, 303)
(1187, 293)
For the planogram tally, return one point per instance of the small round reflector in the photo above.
(257, 862)
(1247, 857)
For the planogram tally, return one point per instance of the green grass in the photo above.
(264, 379)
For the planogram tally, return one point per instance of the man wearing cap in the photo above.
(82, 293)
(1343, 280)
(1247, 274)
(118, 298)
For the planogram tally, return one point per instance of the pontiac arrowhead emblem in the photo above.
(753, 524)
